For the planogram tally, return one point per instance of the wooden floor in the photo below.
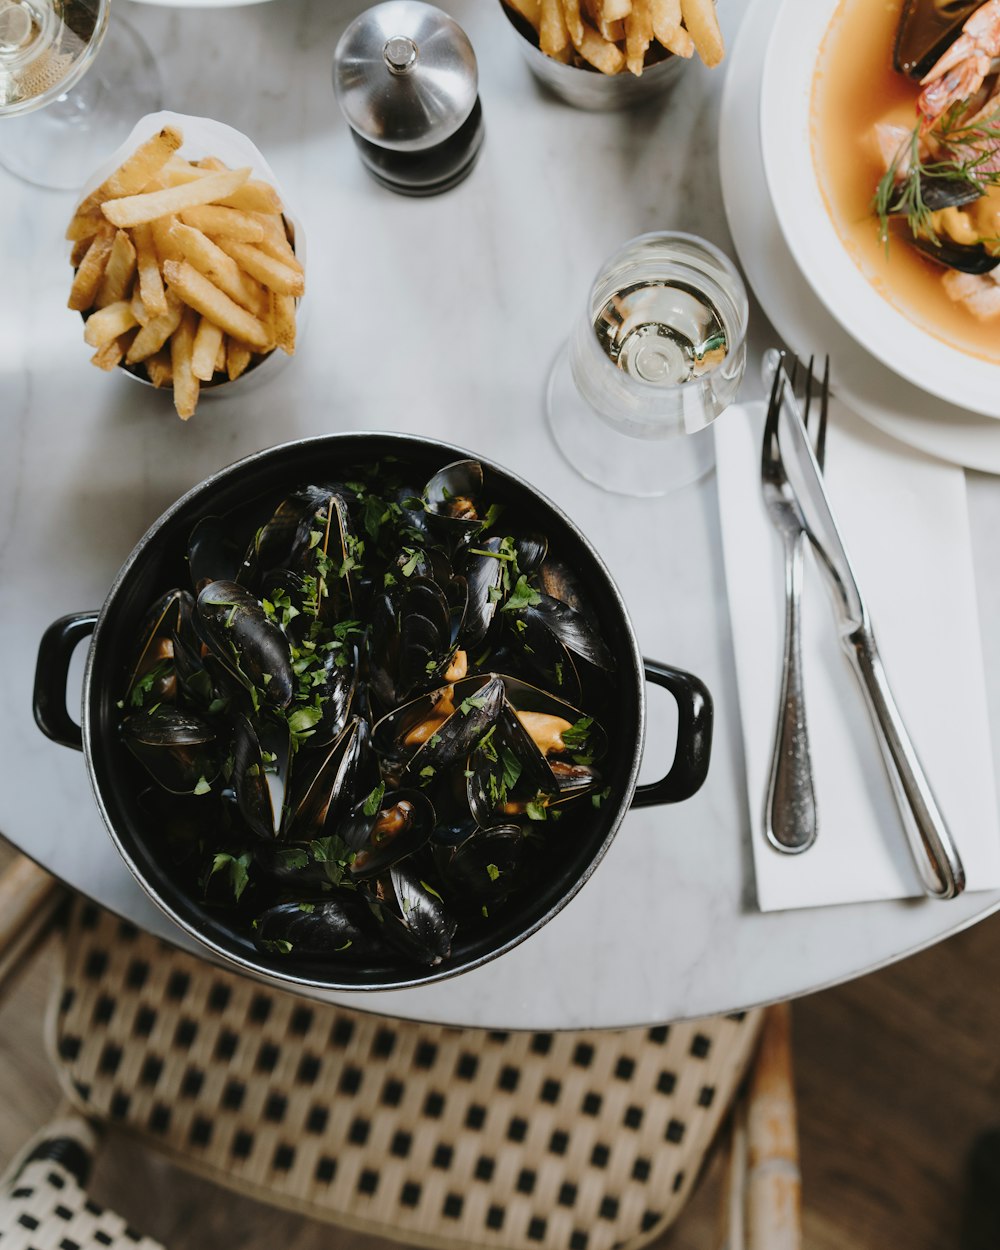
(897, 1075)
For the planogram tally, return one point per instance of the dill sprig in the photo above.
(965, 146)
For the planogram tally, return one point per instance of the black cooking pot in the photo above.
(250, 488)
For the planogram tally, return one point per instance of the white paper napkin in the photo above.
(905, 523)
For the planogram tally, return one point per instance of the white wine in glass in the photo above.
(53, 132)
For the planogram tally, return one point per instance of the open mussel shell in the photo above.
(261, 759)
(338, 694)
(968, 258)
(542, 713)
(533, 651)
(332, 784)
(484, 867)
(404, 823)
(415, 921)
(246, 642)
(484, 569)
(506, 771)
(927, 28)
(341, 927)
(572, 629)
(170, 616)
(285, 535)
(414, 636)
(178, 750)
(452, 498)
(212, 553)
(433, 732)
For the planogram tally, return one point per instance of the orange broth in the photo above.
(855, 86)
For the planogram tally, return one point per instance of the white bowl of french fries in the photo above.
(609, 54)
(189, 268)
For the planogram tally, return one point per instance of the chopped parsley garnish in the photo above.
(373, 802)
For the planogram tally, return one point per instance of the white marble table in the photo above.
(438, 316)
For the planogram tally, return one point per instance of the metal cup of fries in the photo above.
(611, 54)
(188, 267)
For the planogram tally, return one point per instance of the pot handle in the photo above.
(694, 737)
(51, 671)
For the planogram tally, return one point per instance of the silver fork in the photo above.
(790, 816)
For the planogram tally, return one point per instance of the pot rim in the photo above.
(424, 976)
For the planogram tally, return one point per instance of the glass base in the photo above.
(612, 459)
(60, 145)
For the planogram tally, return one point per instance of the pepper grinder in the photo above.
(406, 80)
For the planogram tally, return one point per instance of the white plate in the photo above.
(786, 142)
(868, 387)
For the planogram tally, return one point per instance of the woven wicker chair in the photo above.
(433, 1136)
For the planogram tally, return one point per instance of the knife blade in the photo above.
(931, 844)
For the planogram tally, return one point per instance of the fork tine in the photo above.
(807, 397)
(773, 409)
(824, 404)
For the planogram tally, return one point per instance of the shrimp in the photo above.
(961, 71)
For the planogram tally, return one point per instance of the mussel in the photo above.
(333, 785)
(178, 750)
(249, 645)
(152, 675)
(415, 920)
(341, 927)
(927, 28)
(261, 759)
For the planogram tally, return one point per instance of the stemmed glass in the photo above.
(46, 46)
(656, 355)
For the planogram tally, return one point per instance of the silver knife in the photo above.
(931, 844)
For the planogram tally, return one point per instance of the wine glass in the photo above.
(658, 352)
(48, 136)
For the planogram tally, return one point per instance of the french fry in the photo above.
(107, 323)
(666, 19)
(210, 162)
(574, 19)
(703, 27)
(553, 33)
(165, 244)
(199, 293)
(283, 322)
(253, 197)
(530, 10)
(84, 225)
(613, 31)
(110, 355)
(139, 310)
(148, 268)
(275, 275)
(207, 342)
(133, 210)
(79, 252)
(159, 369)
(91, 270)
(131, 176)
(614, 10)
(186, 384)
(118, 274)
(208, 258)
(177, 172)
(680, 43)
(220, 356)
(155, 333)
(275, 241)
(638, 35)
(238, 356)
(212, 219)
(601, 53)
